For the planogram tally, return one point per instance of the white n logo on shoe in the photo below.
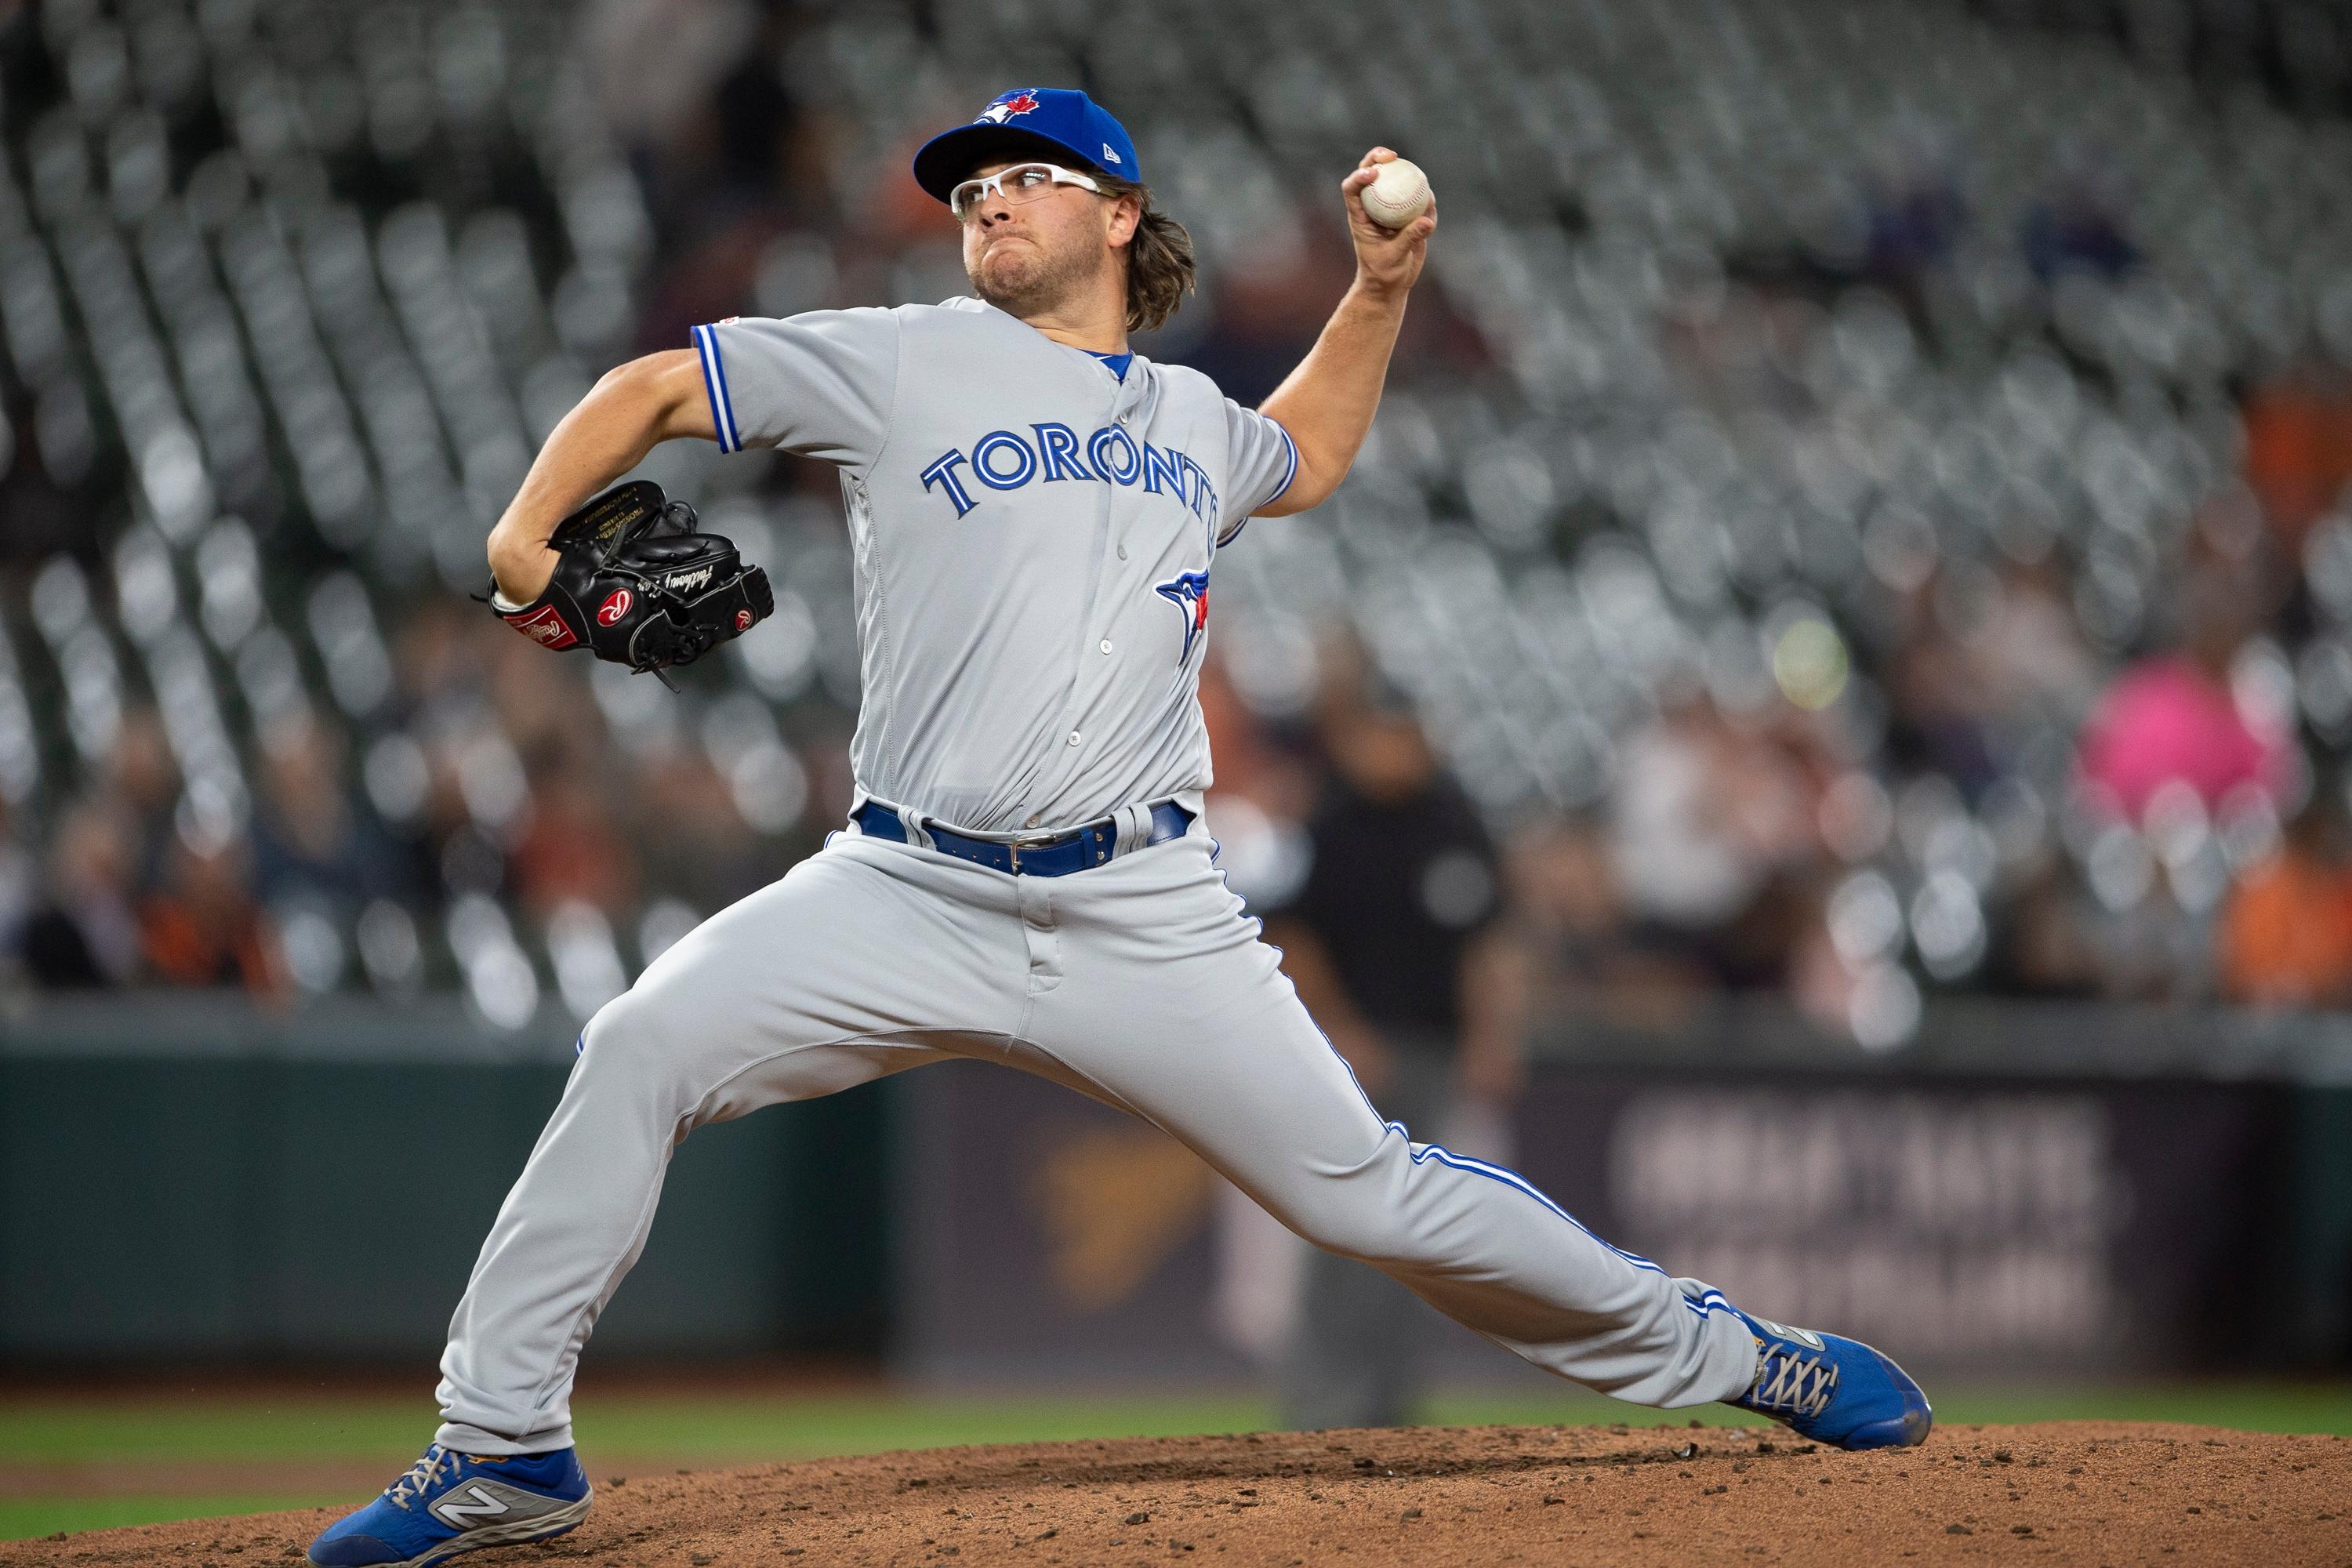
(1803, 1336)
(458, 1514)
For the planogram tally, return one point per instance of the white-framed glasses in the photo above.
(1020, 183)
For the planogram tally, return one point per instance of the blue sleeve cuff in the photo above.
(1290, 472)
(714, 383)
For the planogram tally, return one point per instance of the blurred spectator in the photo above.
(2027, 651)
(201, 927)
(313, 841)
(1945, 710)
(1702, 817)
(2173, 716)
(1916, 212)
(1577, 954)
(2046, 947)
(694, 841)
(2076, 227)
(573, 846)
(84, 933)
(144, 782)
(2286, 933)
(1392, 945)
(2299, 445)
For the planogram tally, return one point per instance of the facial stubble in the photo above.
(1037, 283)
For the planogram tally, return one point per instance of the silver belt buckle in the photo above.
(1020, 841)
(1029, 841)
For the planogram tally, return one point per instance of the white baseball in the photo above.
(1398, 194)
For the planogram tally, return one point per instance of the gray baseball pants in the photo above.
(1141, 982)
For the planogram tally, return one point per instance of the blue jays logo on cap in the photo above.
(1022, 101)
(1059, 124)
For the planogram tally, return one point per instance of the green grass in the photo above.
(26, 1517)
(2244, 1406)
(691, 1428)
(706, 1429)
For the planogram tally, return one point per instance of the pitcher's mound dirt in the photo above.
(2069, 1492)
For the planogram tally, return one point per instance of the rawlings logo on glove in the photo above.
(663, 594)
(543, 626)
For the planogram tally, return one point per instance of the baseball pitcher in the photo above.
(1035, 512)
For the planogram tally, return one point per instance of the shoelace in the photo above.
(421, 1475)
(1787, 1382)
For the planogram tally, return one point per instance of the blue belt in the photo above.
(1039, 855)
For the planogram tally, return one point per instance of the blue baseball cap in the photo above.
(1057, 123)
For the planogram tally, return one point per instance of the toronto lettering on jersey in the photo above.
(1002, 461)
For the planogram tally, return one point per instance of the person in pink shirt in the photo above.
(2170, 718)
(2173, 716)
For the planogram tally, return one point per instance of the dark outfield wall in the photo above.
(199, 1182)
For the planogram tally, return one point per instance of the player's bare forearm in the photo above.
(1328, 403)
(633, 409)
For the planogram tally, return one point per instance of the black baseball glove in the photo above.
(635, 583)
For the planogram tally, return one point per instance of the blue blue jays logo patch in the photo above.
(1188, 592)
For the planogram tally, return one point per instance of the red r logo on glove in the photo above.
(610, 612)
(742, 620)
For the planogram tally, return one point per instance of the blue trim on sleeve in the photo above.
(1289, 473)
(714, 384)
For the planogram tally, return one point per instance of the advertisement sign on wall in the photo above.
(1993, 1229)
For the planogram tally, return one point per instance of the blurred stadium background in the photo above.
(1860, 514)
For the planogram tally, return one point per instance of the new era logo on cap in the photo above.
(1109, 156)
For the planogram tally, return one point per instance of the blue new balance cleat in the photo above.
(450, 1502)
(1833, 1390)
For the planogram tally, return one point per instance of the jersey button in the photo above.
(1074, 737)
(1122, 552)
(1105, 645)
(1034, 819)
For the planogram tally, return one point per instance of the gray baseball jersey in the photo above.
(1032, 535)
(1033, 542)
